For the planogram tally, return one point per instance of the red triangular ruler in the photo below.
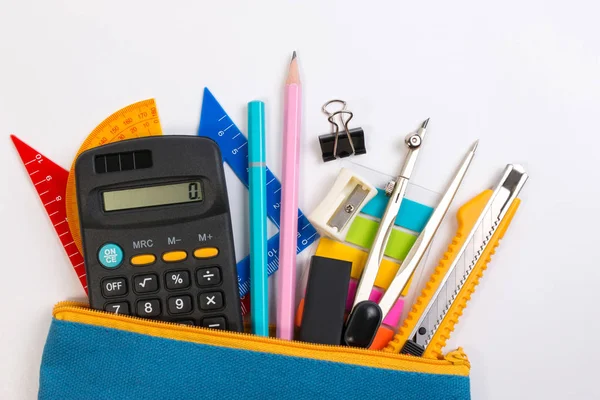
(50, 182)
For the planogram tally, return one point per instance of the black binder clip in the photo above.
(341, 144)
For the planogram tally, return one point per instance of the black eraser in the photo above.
(325, 301)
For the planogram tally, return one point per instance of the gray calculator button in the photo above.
(177, 280)
(113, 287)
(120, 307)
(211, 301)
(148, 308)
(179, 304)
(215, 323)
(145, 283)
(210, 276)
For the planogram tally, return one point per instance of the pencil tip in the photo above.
(475, 145)
(424, 125)
(293, 76)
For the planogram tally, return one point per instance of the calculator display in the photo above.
(150, 196)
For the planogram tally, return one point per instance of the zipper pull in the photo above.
(458, 357)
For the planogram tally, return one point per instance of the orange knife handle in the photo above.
(466, 216)
(437, 343)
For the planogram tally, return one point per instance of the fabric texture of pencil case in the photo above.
(92, 354)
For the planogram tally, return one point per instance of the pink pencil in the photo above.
(286, 285)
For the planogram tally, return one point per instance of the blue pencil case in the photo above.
(92, 354)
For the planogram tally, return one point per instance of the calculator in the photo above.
(156, 231)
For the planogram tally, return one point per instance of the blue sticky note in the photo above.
(412, 215)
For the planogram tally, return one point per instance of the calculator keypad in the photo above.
(178, 281)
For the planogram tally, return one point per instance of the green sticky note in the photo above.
(363, 231)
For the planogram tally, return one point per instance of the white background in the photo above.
(522, 76)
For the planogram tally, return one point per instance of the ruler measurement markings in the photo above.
(127, 127)
(115, 118)
(56, 177)
(311, 236)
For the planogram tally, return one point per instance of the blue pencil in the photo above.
(257, 170)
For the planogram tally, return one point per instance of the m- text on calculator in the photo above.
(156, 231)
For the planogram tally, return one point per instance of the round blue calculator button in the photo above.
(110, 255)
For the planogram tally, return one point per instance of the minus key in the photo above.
(215, 323)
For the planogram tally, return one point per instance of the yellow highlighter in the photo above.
(482, 222)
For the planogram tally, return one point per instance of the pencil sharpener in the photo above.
(348, 195)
